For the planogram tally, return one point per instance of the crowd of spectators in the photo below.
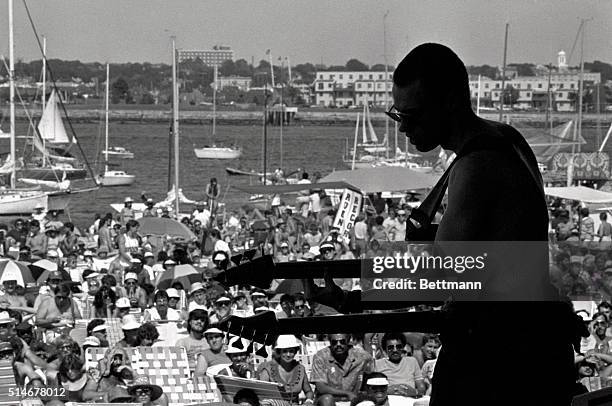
(112, 270)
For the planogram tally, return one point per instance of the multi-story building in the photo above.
(534, 91)
(241, 82)
(341, 89)
(210, 57)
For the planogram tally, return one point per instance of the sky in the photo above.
(317, 31)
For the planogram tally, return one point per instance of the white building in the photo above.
(339, 88)
(210, 57)
(241, 82)
(534, 90)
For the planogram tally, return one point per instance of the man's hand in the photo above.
(351, 395)
(402, 390)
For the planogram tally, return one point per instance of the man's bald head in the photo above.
(439, 71)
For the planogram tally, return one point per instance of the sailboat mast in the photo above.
(175, 128)
(386, 81)
(106, 121)
(12, 91)
(214, 123)
(44, 92)
(44, 74)
(355, 142)
(503, 83)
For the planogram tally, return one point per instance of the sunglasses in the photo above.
(288, 350)
(6, 354)
(600, 323)
(223, 304)
(338, 342)
(300, 306)
(398, 116)
(55, 281)
(143, 391)
(395, 347)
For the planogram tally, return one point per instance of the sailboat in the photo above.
(112, 178)
(370, 141)
(215, 152)
(13, 200)
(52, 142)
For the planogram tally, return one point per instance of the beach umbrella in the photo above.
(46, 265)
(163, 226)
(16, 270)
(185, 274)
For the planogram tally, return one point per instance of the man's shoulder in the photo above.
(323, 353)
(359, 354)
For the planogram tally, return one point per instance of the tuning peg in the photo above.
(226, 339)
(262, 351)
(238, 343)
(250, 347)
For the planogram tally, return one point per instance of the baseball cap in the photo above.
(122, 303)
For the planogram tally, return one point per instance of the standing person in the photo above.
(129, 242)
(127, 213)
(212, 196)
(486, 202)
(604, 232)
(105, 241)
(587, 225)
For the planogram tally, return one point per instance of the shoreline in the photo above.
(304, 116)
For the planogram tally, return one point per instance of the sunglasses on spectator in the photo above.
(130, 283)
(6, 354)
(55, 280)
(392, 347)
(603, 323)
(143, 391)
(338, 342)
(288, 350)
(300, 306)
(223, 304)
(207, 279)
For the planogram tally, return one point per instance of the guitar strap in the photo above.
(422, 217)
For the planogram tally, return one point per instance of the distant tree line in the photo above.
(151, 83)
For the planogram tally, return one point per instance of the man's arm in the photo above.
(325, 389)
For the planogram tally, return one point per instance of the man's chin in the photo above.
(422, 146)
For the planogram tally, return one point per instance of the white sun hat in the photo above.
(287, 341)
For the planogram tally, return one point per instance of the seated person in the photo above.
(147, 394)
(147, 334)
(79, 386)
(377, 386)
(286, 371)
(240, 366)
(402, 372)
(246, 397)
(429, 349)
(213, 359)
(337, 370)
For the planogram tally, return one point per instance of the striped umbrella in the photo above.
(185, 274)
(15, 270)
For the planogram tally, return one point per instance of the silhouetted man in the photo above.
(495, 193)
